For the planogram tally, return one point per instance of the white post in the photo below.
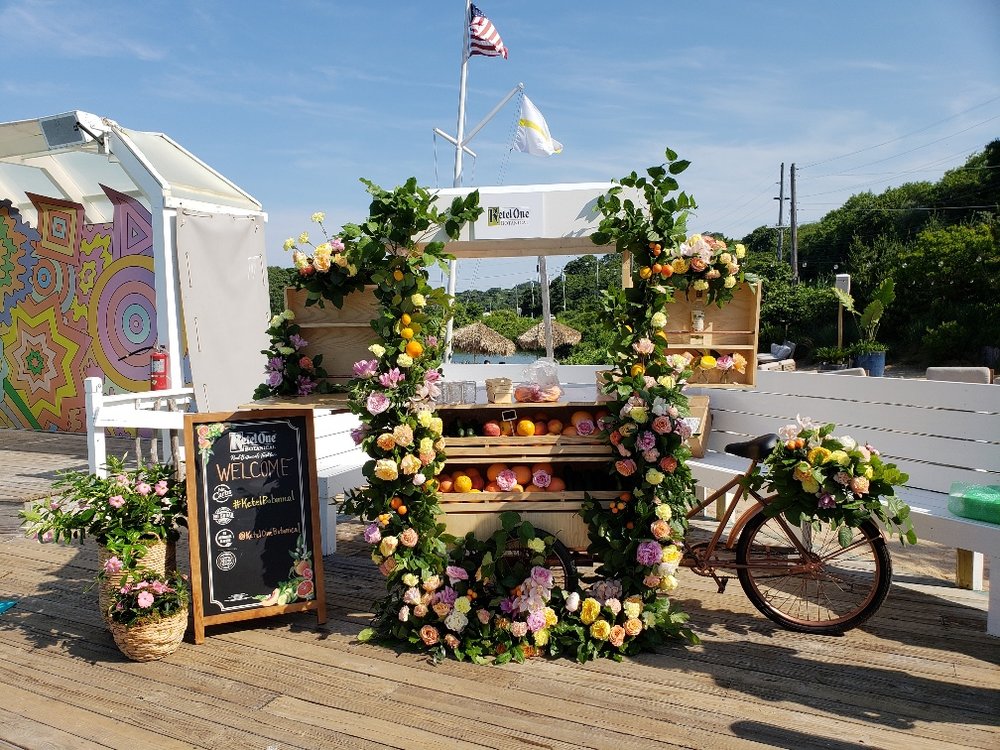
(97, 455)
(546, 306)
(459, 136)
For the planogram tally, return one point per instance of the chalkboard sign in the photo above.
(252, 516)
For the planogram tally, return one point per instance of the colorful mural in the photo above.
(78, 301)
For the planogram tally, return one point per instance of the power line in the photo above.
(907, 135)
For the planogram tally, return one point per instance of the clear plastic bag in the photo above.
(540, 382)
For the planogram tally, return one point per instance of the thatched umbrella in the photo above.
(479, 338)
(562, 335)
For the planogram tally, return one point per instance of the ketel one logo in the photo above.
(251, 441)
(507, 216)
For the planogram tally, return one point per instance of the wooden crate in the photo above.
(558, 516)
(731, 329)
(341, 335)
(698, 441)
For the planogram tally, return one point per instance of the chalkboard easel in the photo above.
(253, 516)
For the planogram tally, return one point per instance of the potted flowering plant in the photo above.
(824, 478)
(148, 614)
(125, 511)
(133, 514)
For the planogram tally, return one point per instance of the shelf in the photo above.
(538, 405)
(497, 502)
(334, 326)
(710, 345)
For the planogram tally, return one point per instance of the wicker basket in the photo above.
(151, 640)
(160, 557)
(499, 391)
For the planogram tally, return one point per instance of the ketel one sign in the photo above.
(513, 216)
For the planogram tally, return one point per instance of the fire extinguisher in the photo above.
(159, 377)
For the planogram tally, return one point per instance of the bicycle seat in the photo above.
(756, 449)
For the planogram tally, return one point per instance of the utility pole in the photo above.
(781, 215)
(564, 288)
(795, 231)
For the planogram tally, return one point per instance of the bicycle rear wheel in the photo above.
(831, 590)
(559, 561)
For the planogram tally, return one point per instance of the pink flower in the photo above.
(643, 346)
(456, 574)
(650, 456)
(661, 425)
(506, 479)
(660, 529)
(518, 629)
(617, 637)
(541, 479)
(377, 403)
(651, 581)
(432, 341)
(143, 488)
(483, 615)
(305, 363)
(585, 427)
(116, 501)
(392, 378)
(451, 641)
(826, 501)
(625, 467)
(409, 538)
(859, 485)
(365, 368)
(160, 488)
(145, 599)
(113, 565)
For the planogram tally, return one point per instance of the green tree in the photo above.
(277, 279)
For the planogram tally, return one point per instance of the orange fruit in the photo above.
(638, 369)
(395, 503)
(493, 471)
(556, 485)
(555, 426)
(406, 333)
(473, 471)
(492, 487)
(645, 272)
(625, 496)
(569, 430)
(541, 428)
(491, 429)
(414, 348)
(656, 268)
(397, 275)
(402, 510)
(525, 428)
(544, 466)
(506, 429)
(445, 485)
(614, 508)
(657, 250)
(630, 525)
(478, 483)
(522, 474)
(581, 416)
(405, 319)
(667, 271)
(532, 488)
(462, 483)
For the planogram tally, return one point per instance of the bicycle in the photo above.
(801, 578)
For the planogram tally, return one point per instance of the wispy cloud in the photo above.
(70, 30)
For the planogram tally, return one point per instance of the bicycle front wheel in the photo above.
(826, 591)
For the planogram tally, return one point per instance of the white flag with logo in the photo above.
(533, 135)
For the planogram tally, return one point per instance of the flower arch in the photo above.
(466, 597)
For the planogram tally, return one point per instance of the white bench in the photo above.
(338, 459)
(937, 432)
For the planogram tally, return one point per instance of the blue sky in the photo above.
(296, 100)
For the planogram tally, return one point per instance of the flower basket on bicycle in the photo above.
(820, 477)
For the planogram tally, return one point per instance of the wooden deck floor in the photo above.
(923, 673)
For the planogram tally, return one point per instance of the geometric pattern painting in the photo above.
(78, 301)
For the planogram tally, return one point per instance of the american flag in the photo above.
(484, 39)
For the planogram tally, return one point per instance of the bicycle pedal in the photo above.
(722, 584)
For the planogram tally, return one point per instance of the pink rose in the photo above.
(409, 538)
(668, 464)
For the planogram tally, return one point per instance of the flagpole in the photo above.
(460, 135)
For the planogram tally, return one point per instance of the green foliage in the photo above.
(277, 279)
(508, 323)
(869, 318)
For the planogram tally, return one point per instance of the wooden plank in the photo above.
(359, 307)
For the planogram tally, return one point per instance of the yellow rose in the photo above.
(700, 285)
(600, 630)
(679, 265)
(818, 456)
(289, 244)
(741, 251)
(671, 554)
(725, 259)
(542, 637)
(436, 426)
(550, 616)
(589, 610)
(810, 485)
(707, 362)
(729, 282)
